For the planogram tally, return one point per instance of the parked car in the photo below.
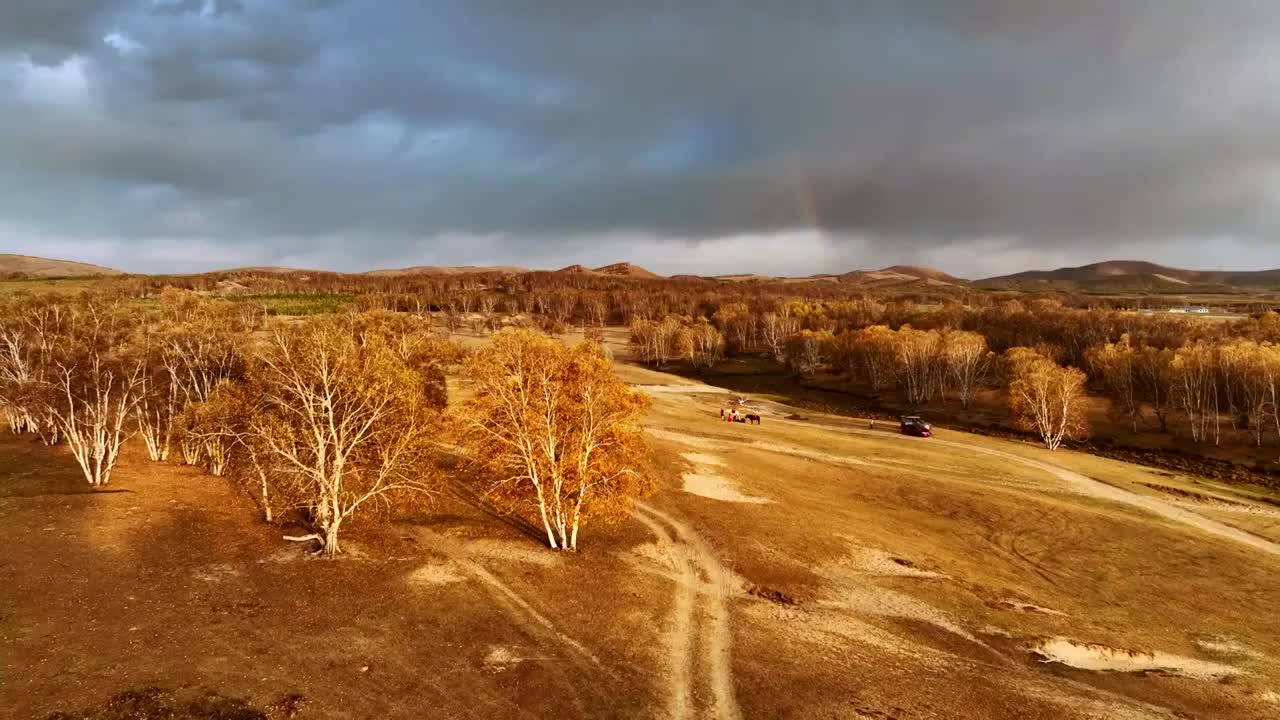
(914, 425)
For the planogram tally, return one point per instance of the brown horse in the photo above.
(753, 419)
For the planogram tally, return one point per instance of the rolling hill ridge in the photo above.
(1116, 275)
(38, 267)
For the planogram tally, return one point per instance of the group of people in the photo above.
(736, 415)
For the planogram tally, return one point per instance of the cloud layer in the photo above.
(799, 136)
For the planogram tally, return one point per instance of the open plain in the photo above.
(808, 567)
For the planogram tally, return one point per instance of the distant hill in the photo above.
(624, 269)
(897, 275)
(38, 267)
(740, 278)
(269, 269)
(924, 273)
(1135, 275)
(451, 270)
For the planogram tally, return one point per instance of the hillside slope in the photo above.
(450, 270)
(1135, 274)
(38, 267)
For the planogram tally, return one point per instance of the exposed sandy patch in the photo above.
(871, 600)
(851, 590)
(1226, 646)
(1101, 658)
(702, 458)
(717, 487)
(1229, 507)
(873, 561)
(1022, 606)
(434, 575)
(1170, 278)
(837, 629)
(501, 659)
(706, 481)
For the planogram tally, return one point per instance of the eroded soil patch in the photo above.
(1102, 658)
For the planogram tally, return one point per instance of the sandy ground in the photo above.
(802, 568)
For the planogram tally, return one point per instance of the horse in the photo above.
(753, 419)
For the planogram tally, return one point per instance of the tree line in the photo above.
(328, 418)
(1177, 374)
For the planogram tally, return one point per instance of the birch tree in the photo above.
(1154, 377)
(967, 362)
(806, 350)
(774, 330)
(31, 331)
(1045, 397)
(1193, 371)
(342, 426)
(704, 345)
(94, 386)
(918, 355)
(558, 431)
(1117, 365)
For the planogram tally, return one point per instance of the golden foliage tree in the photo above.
(704, 345)
(1045, 397)
(806, 351)
(558, 429)
(342, 422)
(967, 362)
(1194, 374)
(1117, 364)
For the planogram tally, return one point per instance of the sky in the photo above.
(789, 137)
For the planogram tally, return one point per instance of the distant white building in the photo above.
(1190, 310)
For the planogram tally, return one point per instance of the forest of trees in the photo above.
(339, 409)
(1156, 371)
(327, 418)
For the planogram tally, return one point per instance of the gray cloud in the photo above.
(360, 135)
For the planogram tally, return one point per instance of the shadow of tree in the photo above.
(29, 468)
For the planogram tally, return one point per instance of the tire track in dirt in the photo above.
(523, 612)
(680, 635)
(701, 618)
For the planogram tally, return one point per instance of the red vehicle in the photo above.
(913, 425)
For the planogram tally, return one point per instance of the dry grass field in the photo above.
(807, 567)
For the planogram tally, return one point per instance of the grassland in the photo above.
(298, 304)
(808, 567)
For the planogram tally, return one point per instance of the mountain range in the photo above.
(1108, 276)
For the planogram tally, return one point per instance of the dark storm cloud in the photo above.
(365, 134)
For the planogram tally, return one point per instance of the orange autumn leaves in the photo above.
(557, 430)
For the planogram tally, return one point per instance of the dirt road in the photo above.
(1077, 482)
(699, 635)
